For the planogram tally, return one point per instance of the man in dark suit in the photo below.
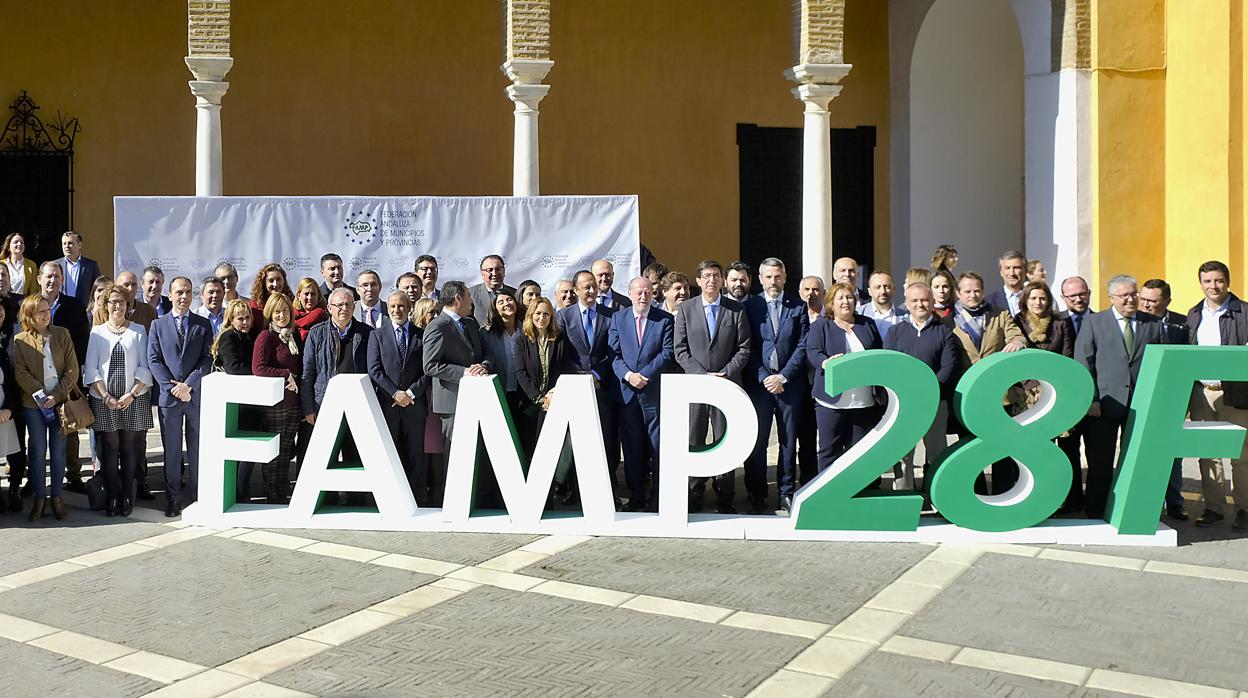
(179, 352)
(776, 382)
(609, 298)
(1155, 300)
(1076, 294)
(141, 313)
(845, 271)
(493, 270)
(332, 273)
(67, 312)
(153, 284)
(712, 337)
(79, 272)
(394, 365)
(811, 292)
(1111, 345)
(641, 348)
(427, 270)
(1013, 268)
(371, 309)
(1221, 319)
(452, 349)
(587, 325)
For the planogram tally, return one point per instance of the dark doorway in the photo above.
(771, 195)
(36, 178)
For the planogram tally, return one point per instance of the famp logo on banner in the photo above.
(541, 238)
(833, 506)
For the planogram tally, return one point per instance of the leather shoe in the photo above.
(127, 507)
(1241, 521)
(1209, 518)
(1176, 513)
(786, 506)
(76, 485)
(172, 510)
(725, 507)
(758, 505)
(58, 509)
(145, 492)
(110, 508)
(36, 509)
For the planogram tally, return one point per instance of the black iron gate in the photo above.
(37, 178)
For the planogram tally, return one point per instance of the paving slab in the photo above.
(1182, 628)
(29, 672)
(492, 641)
(822, 582)
(209, 600)
(889, 675)
(25, 546)
(460, 548)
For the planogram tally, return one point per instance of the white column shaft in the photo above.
(816, 194)
(207, 147)
(525, 174)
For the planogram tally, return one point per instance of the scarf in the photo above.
(1039, 328)
(971, 321)
(288, 338)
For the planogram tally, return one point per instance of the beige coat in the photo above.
(28, 364)
(999, 330)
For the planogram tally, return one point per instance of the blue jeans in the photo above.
(38, 433)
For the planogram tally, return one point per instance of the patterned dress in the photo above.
(137, 416)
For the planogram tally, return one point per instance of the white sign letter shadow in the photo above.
(351, 396)
(679, 462)
(480, 409)
(222, 446)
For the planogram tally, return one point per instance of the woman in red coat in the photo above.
(278, 355)
(309, 307)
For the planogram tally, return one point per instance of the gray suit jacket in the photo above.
(447, 354)
(697, 353)
(1100, 348)
(481, 301)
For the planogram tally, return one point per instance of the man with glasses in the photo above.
(427, 271)
(1220, 320)
(493, 269)
(229, 277)
(1076, 295)
(1155, 300)
(1111, 346)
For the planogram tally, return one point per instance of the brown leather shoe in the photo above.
(58, 509)
(36, 509)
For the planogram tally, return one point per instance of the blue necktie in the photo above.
(589, 327)
(710, 323)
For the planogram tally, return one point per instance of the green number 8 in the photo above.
(1044, 478)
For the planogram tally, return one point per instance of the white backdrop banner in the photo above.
(542, 238)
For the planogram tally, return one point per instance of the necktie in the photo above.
(588, 320)
(1076, 319)
(605, 300)
(180, 322)
(710, 320)
(773, 361)
(460, 322)
(641, 328)
(401, 335)
(1128, 336)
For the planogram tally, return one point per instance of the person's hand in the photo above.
(1013, 347)
(310, 419)
(638, 381)
(718, 374)
(291, 384)
(124, 401)
(546, 401)
(401, 398)
(477, 370)
(834, 356)
(5, 415)
(773, 384)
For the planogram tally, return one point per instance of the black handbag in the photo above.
(96, 497)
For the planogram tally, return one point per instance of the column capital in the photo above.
(527, 97)
(209, 68)
(526, 71)
(208, 91)
(817, 83)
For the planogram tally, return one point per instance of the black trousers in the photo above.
(840, 429)
(1070, 446)
(1102, 437)
(407, 430)
(704, 418)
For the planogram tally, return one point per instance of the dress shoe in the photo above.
(1176, 513)
(58, 509)
(1241, 521)
(695, 502)
(758, 505)
(1209, 518)
(635, 505)
(76, 485)
(127, 507)
(15, 498)
(110, 508)
(145, 492)
(785, 506)
(725, 507)
(36, 509)
(172, 510)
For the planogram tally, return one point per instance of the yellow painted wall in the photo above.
(399, 97)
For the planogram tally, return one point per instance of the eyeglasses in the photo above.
(493, 270)
(1084, 294)
(426, 268)
(340, 306)
(1133, 294)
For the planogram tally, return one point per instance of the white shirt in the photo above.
(1208, 333)
(100, 353)
(50, 379)
(1012, 299)
(17, 276)
(853, 398)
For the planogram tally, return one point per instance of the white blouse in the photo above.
(853, 398)
(100, 353)
(17, 276)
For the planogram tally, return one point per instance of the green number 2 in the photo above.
(832, 501)
(1044, 471)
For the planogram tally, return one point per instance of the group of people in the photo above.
(129, 347)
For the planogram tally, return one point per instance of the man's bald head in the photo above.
(845, 271)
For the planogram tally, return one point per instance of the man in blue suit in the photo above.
(394, 364)
(641, 348)
(179, 353)
(79, 272)
(587, 325)
(776, 382)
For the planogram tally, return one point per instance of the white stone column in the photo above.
(816, 88)
(527, 92)
(208, 87)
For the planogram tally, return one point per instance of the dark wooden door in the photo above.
(34, 200)
(770, 161)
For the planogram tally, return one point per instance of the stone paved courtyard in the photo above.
(147, 606)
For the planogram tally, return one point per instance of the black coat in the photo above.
(234, 352)
(529, 366)
(1233, 329)
(72, 315)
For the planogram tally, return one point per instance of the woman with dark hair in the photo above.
(279, 355)
(269, 280)
(231, 354)
(944, 294)
(945, 258)
(23, 273)
(499, 338)
(675, 288)
(1041, 328)
(842, 419)
(527, 292)
(309, 306)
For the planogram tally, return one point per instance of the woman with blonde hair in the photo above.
(279, 355)
(309, 306)
(46, 369)
(116, 371)
(231, 354)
